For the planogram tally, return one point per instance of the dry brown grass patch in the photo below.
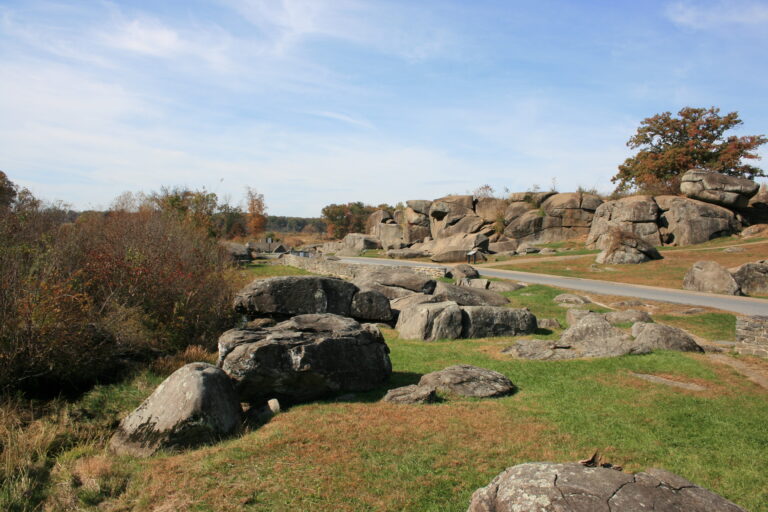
(334, 449)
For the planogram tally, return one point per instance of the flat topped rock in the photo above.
(412, 394)
(550, 487)
(304, 358)
(690, 386)
(465, 296)
(571, 299)
(468, 380)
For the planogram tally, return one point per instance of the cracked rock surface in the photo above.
(550, 487)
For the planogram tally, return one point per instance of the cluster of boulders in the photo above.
(428, 310)
(714, 205)
(303, 341)
(577, 487)
(446, 229)
(596, 335)
(318, 349)
(747, 279)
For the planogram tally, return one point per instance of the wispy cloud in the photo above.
(343, 118)
(719, 13)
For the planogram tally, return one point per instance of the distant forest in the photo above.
(295, 224)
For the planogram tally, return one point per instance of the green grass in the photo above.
(367, 455)
(273, 270)
(712, 326)
(374, 253)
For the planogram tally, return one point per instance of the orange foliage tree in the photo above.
(257, 217)
(671, 145)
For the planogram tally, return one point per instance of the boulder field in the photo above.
(446, 229)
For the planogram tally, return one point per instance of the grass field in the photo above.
(367, 455)
(364, 455)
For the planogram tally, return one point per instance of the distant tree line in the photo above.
(295, 224)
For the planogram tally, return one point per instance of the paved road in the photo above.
(743, 305)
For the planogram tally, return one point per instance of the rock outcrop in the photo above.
(752, 278)
(305, 358)
(465, 296)
(430, 321)
(548, 487)
(559, 217)
(470, 381)
(662, 220)
(711, 277)
(488, 321)
(195, 405)
(593, 336)
(413, 394)
(297, 295)
(650, 336)
(624, 248)
(713, 187)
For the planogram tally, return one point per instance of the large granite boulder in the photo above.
(455, 248)
(465, 296)
(297, 295)
(305, 358)
(752, 278)
(550, 487)
(370, 305)
(359, 242)
(390, 235)
(559, 217)
(195, 405)
(445, 213)
(687, 221)
(713, 187)
(464, 271)
(623, 248)
(650, 336)
(395, 283)
(430, 321)
(376, 218)
(468, 380)
(711, 277)
(401, 303)
(636, 214)
(487, 321)
(419, 205)
(533, 198)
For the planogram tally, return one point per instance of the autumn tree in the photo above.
(695, 138)
(257, 217)
(343, 219)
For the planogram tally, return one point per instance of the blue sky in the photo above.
(314, 102)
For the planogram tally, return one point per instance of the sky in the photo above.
(313, 102)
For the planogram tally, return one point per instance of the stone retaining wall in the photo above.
(334, 268)
(752, 335)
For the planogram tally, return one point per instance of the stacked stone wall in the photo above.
(752, 335)
(344, 270)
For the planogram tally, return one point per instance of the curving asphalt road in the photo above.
(742, 305)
